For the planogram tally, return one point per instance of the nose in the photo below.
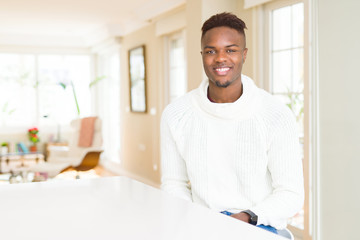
(221, 56)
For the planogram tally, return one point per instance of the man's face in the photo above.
(223, 54)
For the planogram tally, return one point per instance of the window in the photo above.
(287, 58)
(176, 84)
(17, 90)
(286, 48)
(36, 86)
(56, 72)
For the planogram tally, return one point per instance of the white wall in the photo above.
(339, 100)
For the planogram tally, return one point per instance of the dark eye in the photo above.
(210, 52)
(230, 50)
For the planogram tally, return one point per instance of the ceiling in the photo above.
(74, 23)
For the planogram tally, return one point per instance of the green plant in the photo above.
(296, 104)
(96, 80)
(6, 110)
(4, 144)
(63, 85)
(93, 83)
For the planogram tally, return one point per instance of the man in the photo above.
(229, 145)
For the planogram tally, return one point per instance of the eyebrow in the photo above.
(232, 45)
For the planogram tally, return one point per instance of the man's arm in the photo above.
(174, 178)
(285, 167)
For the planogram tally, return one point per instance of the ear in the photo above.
(244, 54)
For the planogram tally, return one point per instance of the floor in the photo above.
(22, 177)
(98, 171)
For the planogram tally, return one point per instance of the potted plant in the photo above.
(4, 148)
(34, 138)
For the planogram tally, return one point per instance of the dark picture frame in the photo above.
(137, 79)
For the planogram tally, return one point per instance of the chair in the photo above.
(73, 156)
(286, 233)
(90, 160)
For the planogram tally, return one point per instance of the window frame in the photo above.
(265, 41)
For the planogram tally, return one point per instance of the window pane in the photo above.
(298, 25)
(177, 52)
(17, 90)
(298, 70)
(79, 69)
(281, 33)
(281, 72)
(177, 87)
(56, 102)
(177, 84)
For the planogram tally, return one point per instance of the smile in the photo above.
(222, 70)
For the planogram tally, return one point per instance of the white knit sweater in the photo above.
(233, 156)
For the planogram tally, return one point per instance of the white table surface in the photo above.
(111, 208)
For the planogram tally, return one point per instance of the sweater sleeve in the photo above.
(285, 167)
(174, 179)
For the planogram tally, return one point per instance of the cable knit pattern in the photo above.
(233, 156)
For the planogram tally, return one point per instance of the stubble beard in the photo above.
(227, 83)
(222, 85)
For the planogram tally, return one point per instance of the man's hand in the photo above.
(241, 216)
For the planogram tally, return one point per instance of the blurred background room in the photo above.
(110, 67)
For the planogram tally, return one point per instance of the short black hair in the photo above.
(224, 19)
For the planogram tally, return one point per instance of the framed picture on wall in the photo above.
(137, 76)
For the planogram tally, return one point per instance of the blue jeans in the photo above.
(267, 227)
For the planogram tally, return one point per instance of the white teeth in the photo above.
(222, 69)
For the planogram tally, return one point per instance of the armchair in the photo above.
(77, 155)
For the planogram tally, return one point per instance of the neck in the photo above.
(224, 95)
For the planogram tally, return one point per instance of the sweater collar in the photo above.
(241, 108)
